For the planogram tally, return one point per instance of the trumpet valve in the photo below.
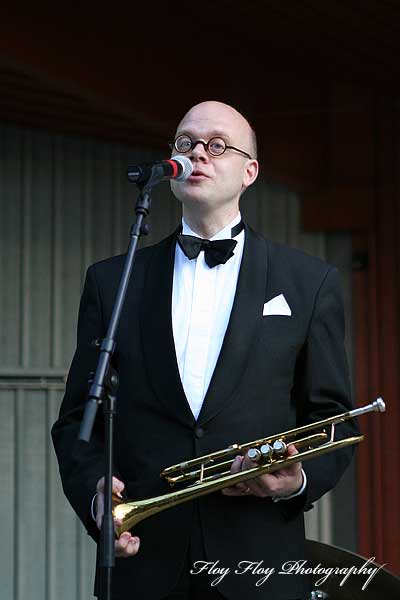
(254, 455)
(267, 452)
(279, 448)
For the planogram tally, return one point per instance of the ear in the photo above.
(251, 173)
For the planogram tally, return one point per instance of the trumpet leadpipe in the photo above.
(190, 475)
(311, 440)
(209, 458)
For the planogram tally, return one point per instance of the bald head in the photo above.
(211, 194)
(221, 118)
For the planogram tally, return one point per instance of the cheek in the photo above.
(230, 181)
(176, 189)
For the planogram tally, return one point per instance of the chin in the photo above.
(193, 195)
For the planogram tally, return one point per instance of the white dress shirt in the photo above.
(202, 300)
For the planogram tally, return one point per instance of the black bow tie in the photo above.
(216, 252)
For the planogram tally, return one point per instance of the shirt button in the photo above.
(199, 432)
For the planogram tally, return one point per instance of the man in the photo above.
(217, 353)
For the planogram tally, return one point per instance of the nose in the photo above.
(199, 151)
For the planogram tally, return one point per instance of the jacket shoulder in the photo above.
(297, 260)
(293, 269)
(112, 267)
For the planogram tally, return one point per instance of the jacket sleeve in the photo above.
(81, 464)
(322, 389)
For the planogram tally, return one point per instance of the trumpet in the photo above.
(211, 472)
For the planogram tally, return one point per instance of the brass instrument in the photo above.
(211, 472)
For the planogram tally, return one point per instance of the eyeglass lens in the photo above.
(215, 146)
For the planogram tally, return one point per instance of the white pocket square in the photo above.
(277, 306)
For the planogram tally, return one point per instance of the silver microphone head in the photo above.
(187, 167)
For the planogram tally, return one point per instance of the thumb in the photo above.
(118, 486)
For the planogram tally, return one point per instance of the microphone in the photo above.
(178, 167)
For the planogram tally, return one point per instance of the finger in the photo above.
(262, 486)
(255, 485)
(247, 463)
(99, 509)
(236, 465)
(117, 485)
(236, 468)
(240, 464)
(292, 469)
(123, 540)
(250, 464)
(133, 546)
(234, 491)
(127, 545)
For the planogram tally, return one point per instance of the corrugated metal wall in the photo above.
(65, 203)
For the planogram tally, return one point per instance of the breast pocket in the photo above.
(280, 342)
(281, 332)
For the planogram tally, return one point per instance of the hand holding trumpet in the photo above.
(281, 483)
(127, 544)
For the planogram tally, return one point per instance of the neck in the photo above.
(208, 224)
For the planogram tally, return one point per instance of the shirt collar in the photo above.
(220, 235)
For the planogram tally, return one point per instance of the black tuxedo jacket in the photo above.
(273, 373)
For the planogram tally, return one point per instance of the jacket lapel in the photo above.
(157, 333)
(242, 328)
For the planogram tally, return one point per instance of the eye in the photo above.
(183, 143)
(216, 146)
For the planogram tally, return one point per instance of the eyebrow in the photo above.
(214, 133)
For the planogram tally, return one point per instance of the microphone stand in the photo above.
(103, 388)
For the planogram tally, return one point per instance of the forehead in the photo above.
(205, 121)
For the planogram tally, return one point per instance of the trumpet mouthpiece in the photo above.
(379, 405)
